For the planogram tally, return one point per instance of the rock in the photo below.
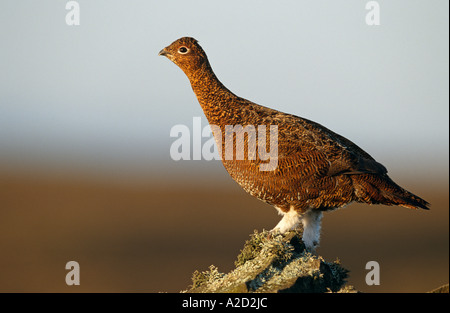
(442, 289)
(274, 263)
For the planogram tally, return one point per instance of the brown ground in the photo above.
(150, 237)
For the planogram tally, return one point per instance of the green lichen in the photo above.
(273, 245)
(251, 250)
(274, 263)
(201, 278)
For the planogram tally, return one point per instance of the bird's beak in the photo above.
(163, 52)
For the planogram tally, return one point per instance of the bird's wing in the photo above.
(315, 146)
(342, 155)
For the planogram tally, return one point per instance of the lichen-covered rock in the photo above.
(442, 289)
(274, 263)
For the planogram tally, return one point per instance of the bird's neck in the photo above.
(212, 95)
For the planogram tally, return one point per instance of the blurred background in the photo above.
(86, 112)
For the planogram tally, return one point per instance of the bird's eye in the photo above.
(183, 50)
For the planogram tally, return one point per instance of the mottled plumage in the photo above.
(318, 170)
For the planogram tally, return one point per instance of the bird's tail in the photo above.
(376, 189)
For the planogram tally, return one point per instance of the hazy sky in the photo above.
(99, 93)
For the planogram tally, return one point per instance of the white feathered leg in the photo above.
(311, 221)
(289, 221)
(311, 229)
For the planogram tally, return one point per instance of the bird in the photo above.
(316, 170)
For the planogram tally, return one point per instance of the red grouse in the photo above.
(308, 169)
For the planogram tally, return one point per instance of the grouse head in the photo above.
(186, 53)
